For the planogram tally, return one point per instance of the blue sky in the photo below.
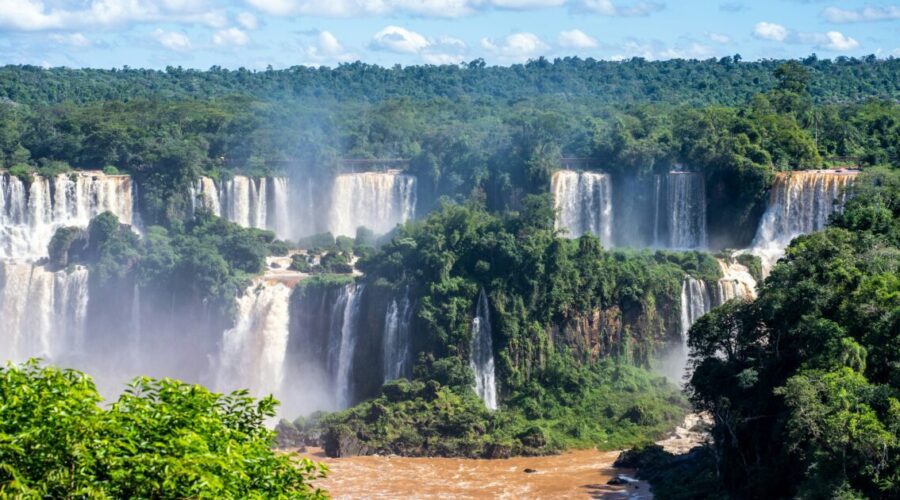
(281, 33)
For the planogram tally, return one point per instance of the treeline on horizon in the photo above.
(728, 80)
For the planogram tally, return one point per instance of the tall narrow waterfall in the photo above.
(583, 204)
(397, 351)
(253, 352)
(43, 312)
(376, 200)
(481, 357)
(30, 213)
(695, 302)
(251, 202)
(800, 202)
(350, 302)
(736, 283)
(685, 210)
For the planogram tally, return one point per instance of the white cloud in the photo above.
(75, 40)
(171, 40)
(230, 37)
(275, 7)
(576, 39)
(770, 31)
(865, 14)
(400, 40)
(694, 50)
(720, 38)
(247, 20)
(441, 59)
(328, 49)
(610, 8)
(836, 41)
(35, 15)
(527, 4)
(429, 8)
(516, 47)
(654, 50)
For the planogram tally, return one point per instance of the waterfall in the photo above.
(800, 202)
(583, 204)
(695, 302)
(349, 311)
(30, 213)
(396, 348)
(481, 357)
(376, 200)
(262, 203)
(736, 283)
(43, 311)
(686, 205)
(253, 352)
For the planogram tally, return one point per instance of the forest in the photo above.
(801, 383)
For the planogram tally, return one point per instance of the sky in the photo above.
(256, 34)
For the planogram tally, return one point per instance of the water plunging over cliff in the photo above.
(736, 283)
(583, 204)
(397, 350)
(376, 200)
(800, 202)
(251, 202)
(348, 308)
(43, 312)
(253, 352)
(481, 357)
(685, 212)
(30, 213)
(695, 302)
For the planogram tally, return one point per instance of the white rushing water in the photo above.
(736, 282)
(583, 204)
(253, 352)
(695, 302)
(376, 200)
(397, 349)
(349, 311)
(261, 203)
(481, 356)
(800, 202)
(30, 213)
(686, 210)
(43, 312)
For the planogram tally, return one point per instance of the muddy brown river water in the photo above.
(575, 474)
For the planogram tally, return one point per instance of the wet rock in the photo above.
(530, 471)
(497, 450)
(621, 480)
(341, 441)
(288, 437)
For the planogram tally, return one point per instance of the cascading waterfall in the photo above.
(736, 282)
(686, 204)
(261, 203)
(375, 200)
(800, 202)
(350, 300)
(481, 357)
(30, 213)
(43, 311)
(253, 352)
(695, 302)
(583, 204)
(397, 349)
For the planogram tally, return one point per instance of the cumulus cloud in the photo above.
(428, 8)
(770, 31)
(35, 15)
(833, 40)
(172, 40)
(610, 8)
(399, 40)
(74, 39)
(515, 47)
(865, 14)
(231, 37)
(654, 50)
(328, 49)
(576, 39)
